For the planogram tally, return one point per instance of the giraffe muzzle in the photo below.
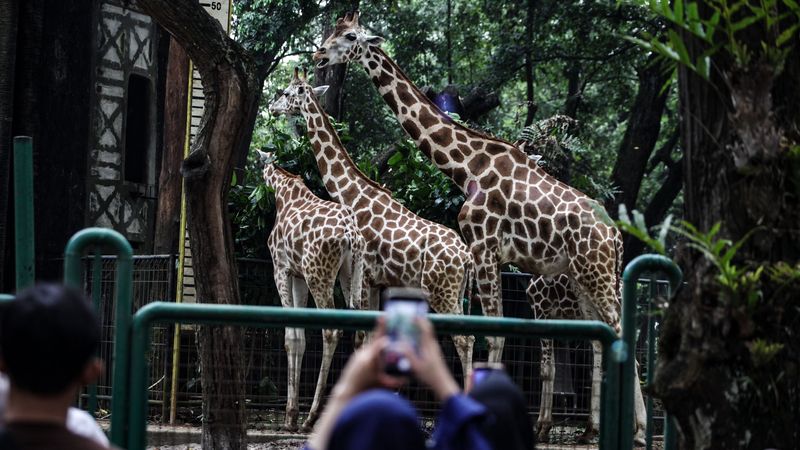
(324, 62)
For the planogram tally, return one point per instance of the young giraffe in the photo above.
(514, 211)
(403, 249)
(311, 242)
(552, 298)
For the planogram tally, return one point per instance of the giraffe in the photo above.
(312, 240)
(403, 249)
(552, 298)
(514, 211)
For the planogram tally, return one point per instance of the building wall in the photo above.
(123, 145)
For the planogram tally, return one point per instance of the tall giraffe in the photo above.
(514, 211)
(403, 249)
(311, 242)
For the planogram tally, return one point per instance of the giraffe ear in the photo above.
(319, 91)
(374, 40)
(265, 158)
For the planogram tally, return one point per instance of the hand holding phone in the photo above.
(402, 307)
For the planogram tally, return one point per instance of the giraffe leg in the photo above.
(640, 413)
(549, 299)
(445, 298)
(372, 297)
(488, 279)
(593, 426)
(547, 371)
(330, 340)
(321, 287)
(295, 344)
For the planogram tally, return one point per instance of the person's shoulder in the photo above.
(32, 436)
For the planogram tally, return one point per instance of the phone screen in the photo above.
(401, 327)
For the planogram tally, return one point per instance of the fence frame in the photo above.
(73, 271)
(634, 269)
(277, 317)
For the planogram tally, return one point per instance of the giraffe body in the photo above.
(311, 243)
(402, 249)
(514, 211)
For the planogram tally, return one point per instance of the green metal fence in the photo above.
(275, 317)
(99, 238)
(640, 265)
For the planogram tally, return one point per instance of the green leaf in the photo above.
(786, 35)
(396, 158)
(666, 11)
(678, 5)
(746, 22)
(680, 48)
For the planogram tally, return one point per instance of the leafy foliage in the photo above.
(721, 31)
(422, 187)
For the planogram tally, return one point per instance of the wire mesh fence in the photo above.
(265, 365)
(153, 279)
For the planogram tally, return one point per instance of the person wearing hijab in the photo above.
(507, 425)
(364, 413)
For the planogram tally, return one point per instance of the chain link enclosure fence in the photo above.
(266, 367)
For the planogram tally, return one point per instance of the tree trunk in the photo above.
(231, 89)
(169, 179)
(641, 134)
(638, 143)
(8, 49)
(712, 372)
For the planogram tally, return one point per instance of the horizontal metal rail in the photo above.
(276, 317)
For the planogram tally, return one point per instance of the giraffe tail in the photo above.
(618, 244)
(469, 285)
(357, 261)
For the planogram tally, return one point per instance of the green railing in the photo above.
(73, 270)
(23, 211)
(640, 265)
(276, 317)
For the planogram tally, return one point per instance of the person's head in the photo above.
(48, 338)
(377, 419)
(508, 425)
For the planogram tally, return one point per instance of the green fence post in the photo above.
(23, 210)
(642, 263)
(97, 275)
(76, 246)
(651, 355)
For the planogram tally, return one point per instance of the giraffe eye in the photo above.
(350, 36)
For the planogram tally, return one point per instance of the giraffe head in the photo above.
(274, 176)
(296, 95)
(347, 43)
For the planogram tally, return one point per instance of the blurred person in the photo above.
(507, 424)
(48, 338)
(78, 421)
(364, 414)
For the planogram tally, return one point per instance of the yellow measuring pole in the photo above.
(176, 338)
(221, 11)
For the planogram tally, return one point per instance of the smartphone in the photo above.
(401, 307)
(481, 371)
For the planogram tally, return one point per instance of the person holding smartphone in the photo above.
(364, 413)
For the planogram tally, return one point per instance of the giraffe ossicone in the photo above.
(514, 211)
(312, 243)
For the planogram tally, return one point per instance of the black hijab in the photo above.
(508, 425)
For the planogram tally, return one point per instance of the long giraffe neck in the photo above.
(462, 154)
(289, 189)
(342, 178)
